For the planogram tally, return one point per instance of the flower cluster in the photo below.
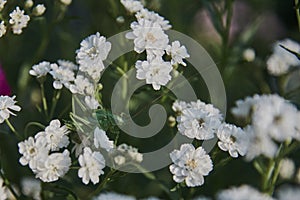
(148, 34)
(40, 152)
(7, 105)
(125, 154)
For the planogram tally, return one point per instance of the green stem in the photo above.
(297, 13)
(8, 185)
(32, 124)
(55, 99)
(106, 179)
(44, 100)
(13, 129)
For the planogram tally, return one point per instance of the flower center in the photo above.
(92, 52)
(277, 119)
(191, 164)
(150, 37)
(201, 122)
(32, 151)
(232, 139)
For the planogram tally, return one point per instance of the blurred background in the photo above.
(254, 25)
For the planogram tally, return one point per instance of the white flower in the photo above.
(244, 192)
(91, 102)
(32, 151)
(199, 120)
(2, 4)
(155, 72)
(119, 160)
(190, 165)
(78, 147)
(132, 6)
(66, 2)
(2, 29)
(54, 135)
(82, 86)
(149, 36)
(91, 164)
(7, 105)
(202, 198)
(249, 55)
(288, 193)
(153, 17)
(113, 196)
(67, 65)
(93, 50)
(177, 53)
(18, 20)
(41, 69)
(259, 144)
(129, 153)
(62, 76)
(179, 106)
(276, 117)
(287, 168)
(39, 10)
(31, 188)
(280, 61)
(28, 3)
(233, 139)
(3, 190)
(101, 140)
(54, 166)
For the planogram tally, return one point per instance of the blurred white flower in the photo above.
(2, 29)
(3, 190)
(92, 164)
(55, 136)
(132, 6)
(31, 188)
(249, 55)
(28, 3)
(82, 86)
(288, 193)
(281, 60)
(66, 2)
(287, 168)
(18, 20)
(67, 65)
(130, 151)
(101, 140)
(91, 102)
(232, 139)
(149, 36)
(54, 166)
(199, 120)
(190, 165)
(41, 69)
(7, 106)
(155, 72)
(153, 17)
(32, 151)
(244, 192)
(93, 50)
(177, 53)
(62, 76)
(119, 160)
(2, 4)
(201, 198)
(113, 196)
(39, 10)
(297, 178)
(178, 106)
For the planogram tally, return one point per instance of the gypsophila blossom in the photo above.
(126, 154)
(41, 69)
(190, 165)
(62, 76)
(149, 36)
(66, 2)
(82, 86)
(39, 10)
(155, 72)
(244, 192)
(281, 60)
(54, 135)
(31, 188)
(2, 4)
(232, 139)
(91, 166)
(249, 55)
(113, 196)
(101, 140)
(288, 193)
(18, 20)
(93, 51)
(67, 65)
(179, 106)
(202, 198)
(199, 120)
(132, 6)
(7, 106)
(54, 166)
(3, 190)
(177, 53)
(91, 102)
(286, 168)
(2, 29)
(32, 151)
(84, 141)
(153, 17)
(28, 3)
